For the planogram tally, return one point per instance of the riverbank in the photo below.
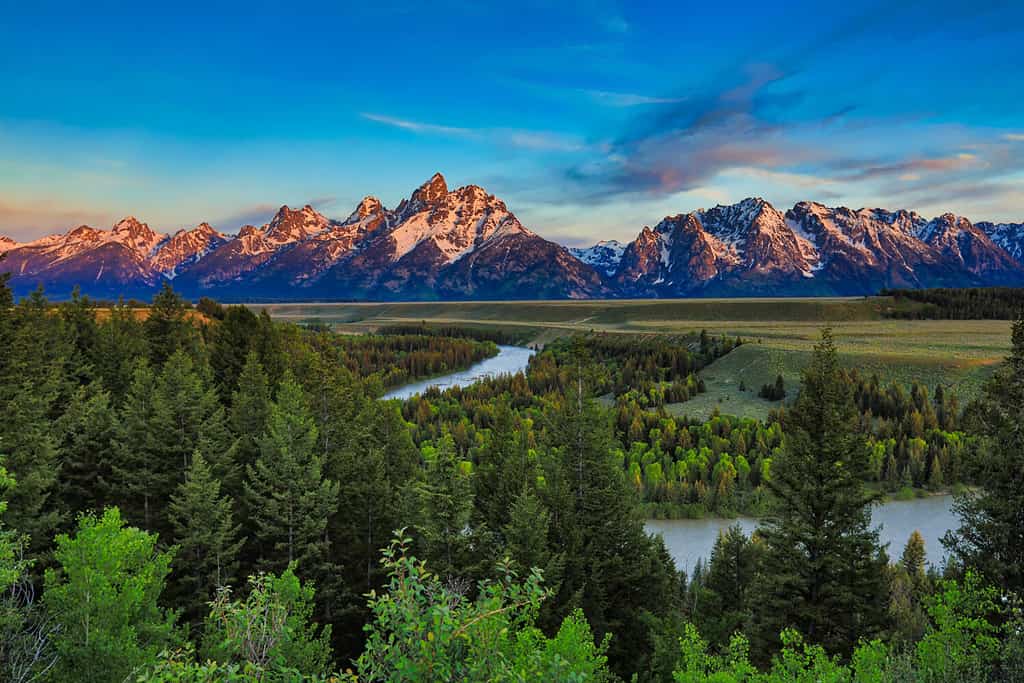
(509, 360)
(757, 505)
(691, 540)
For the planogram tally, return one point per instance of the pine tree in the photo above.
(504, 469)
(185, 414)
(935, 479)
(269, 347)
(728, 587)
(250, 410)
(375, 476)
(163, 422)
(207, 539)
(913, 558)
(231, 343)
(908, 589)
(30, 448)
(80, 327)
(140, 478)
(288, 497)
(826, 577)
(119, 344)
(991, 534)
(526, 538)
(167, 328)
(622, 578)
(374, 462)
(336, 400)
(86, 434)
(446, 504)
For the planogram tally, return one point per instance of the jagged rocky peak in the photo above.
(732, 223)
(648, 235)
(185, 247)
(84, 232)
(136, 235)
(369, 206)
(6, 243)
(204, 232)
(247, 230)
(431, 191)
(294, 225)
(944, 228)
(909, 222)
(130, 225)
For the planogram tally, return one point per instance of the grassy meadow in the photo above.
(961, 354)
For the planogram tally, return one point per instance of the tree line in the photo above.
(968, 303)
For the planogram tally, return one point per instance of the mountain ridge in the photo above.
(465, 243)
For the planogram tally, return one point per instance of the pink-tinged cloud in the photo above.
(25, 221)
(913, 168)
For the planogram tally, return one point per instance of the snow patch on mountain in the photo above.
(184, 248)
(1009, 236)
(604, 256)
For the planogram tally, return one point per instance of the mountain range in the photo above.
(466, 244)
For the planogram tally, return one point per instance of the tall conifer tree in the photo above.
(991, 534)
(140, 478)
(288, 497)
(207, 538)
(825, 565)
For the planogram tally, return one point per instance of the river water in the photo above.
(691, 539)
(510, 360)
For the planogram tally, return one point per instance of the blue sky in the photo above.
(590, 118)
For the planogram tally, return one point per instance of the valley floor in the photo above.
(781, 333)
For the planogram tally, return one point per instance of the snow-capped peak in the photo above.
(604, 256)
(6, 243)
(943, 228)
(185, 247)
(136, 235)
(731, 224)
(454, 222)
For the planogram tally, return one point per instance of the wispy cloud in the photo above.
(418, 126)
(625, 99)
(680, 147)
(1014, 137)
(253, 214)
(536, 140)
(909, 169)
(322, 202)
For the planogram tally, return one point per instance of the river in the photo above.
(510, 360)
(690, 539)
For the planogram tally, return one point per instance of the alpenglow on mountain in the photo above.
(465, 244)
